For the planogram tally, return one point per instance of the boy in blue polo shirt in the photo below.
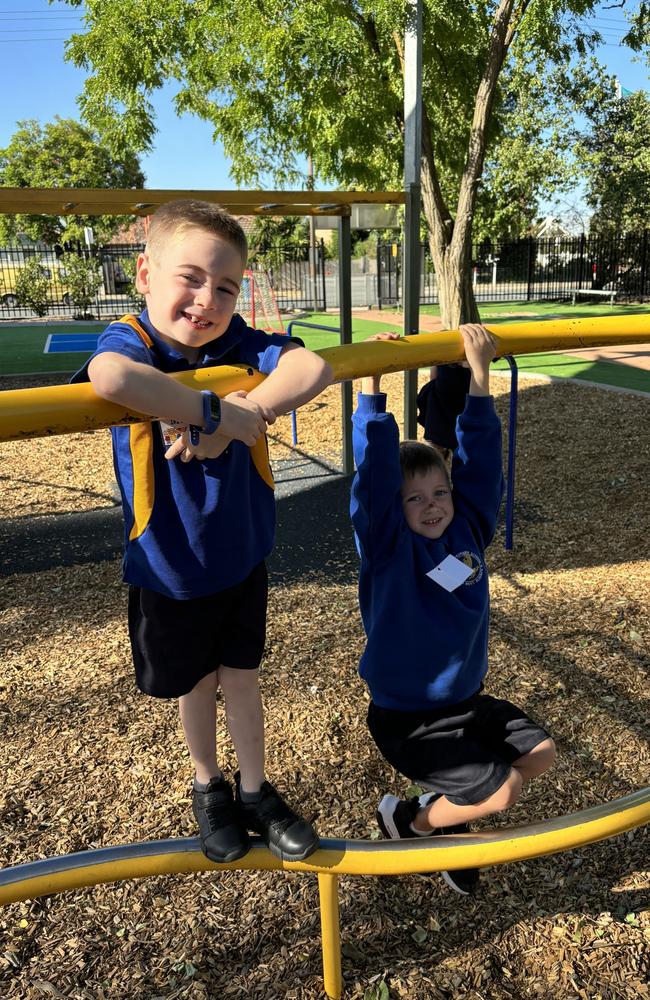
(199, 509)
(424, 599)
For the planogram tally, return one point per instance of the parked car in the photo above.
(58, 291)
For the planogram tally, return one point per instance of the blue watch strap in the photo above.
(210, 422)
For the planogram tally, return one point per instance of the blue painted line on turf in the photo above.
(70, 343)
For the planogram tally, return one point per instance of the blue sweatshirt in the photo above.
(190, 528)
(426, 647)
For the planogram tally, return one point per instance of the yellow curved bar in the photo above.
(335, 857)
(376, 357)
(65, 409)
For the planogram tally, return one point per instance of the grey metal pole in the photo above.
(345, 314)
(312, 239)
(412, 157)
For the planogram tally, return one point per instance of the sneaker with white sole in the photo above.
(395, 817)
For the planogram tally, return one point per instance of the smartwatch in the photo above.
(211, 416)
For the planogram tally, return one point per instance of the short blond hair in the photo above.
(176, 217)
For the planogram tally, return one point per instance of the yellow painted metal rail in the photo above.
(334, 858)
(65, 409)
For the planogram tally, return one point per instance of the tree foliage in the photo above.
(617, 162)
(323, 78)
(33, 286)
(63, 153)
(268, 233)
(83, 278)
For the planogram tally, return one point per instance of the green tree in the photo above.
(268, 233)
(63, 153)
(33, 286)
(617, 164)
(323, 78)
(83, 278)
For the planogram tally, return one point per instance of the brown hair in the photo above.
(417, 457)
(189, 213)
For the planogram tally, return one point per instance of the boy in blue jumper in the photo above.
(424, 600)
(199, 508)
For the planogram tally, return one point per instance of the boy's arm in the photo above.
(477, 473)
(294, 375)
(371, 384)
(480, 349)
(143, 388)
(298, 377)
(376, 503)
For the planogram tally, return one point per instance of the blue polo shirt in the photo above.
(190, 528)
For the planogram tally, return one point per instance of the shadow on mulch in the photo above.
(313, 540)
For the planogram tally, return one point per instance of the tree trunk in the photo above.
(455, 291)
(452, 259)
(451, 242)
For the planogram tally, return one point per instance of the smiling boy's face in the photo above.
(427, 503)
(191, 286)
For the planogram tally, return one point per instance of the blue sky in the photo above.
(35, 82)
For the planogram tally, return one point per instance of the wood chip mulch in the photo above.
(89, 762)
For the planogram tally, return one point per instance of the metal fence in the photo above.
(555, 268)
(297, 276)
(115, 295)
(298, 279)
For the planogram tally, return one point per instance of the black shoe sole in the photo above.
(232, 856)
(283, 856)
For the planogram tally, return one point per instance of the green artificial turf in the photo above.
(514, 312)
(566, 366)
(315, 340)
(21, 348)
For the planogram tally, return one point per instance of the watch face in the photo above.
(215, 407)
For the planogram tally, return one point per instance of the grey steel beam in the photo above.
(412, 158)
(345, 313)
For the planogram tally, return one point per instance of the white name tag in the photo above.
(450, 573)
(171, 430)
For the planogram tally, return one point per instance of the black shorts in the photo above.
(177, 643)
(463, 751)
(440, 402)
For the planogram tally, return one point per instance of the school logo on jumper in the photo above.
(473, 562)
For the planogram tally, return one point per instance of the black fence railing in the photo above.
(35, 281)
(555, 268)
(296, 277)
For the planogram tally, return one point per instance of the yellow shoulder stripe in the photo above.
(260, 456)
(141, 446)
(132, 321)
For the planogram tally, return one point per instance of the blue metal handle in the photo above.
(312, 326)
(512, 444)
